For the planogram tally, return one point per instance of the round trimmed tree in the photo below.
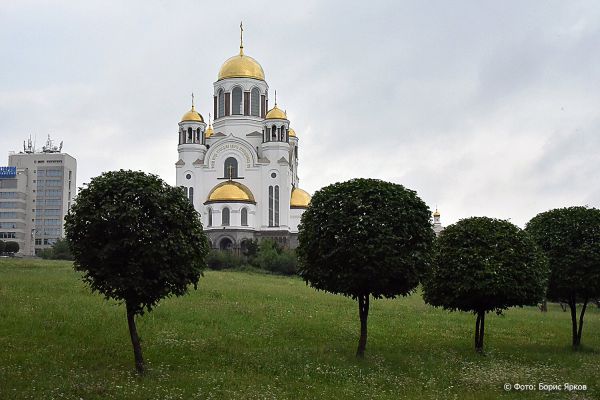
(365, 238)
(570, 237)
(482, 264)
(137, 240)
(11, 247)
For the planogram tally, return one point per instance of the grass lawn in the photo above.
(251, 336)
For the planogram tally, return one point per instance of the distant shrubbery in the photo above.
(9, 247)
(218, 260)
(59, 251)
(266, 255)
(275, 259)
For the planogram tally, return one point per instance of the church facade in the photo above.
(241, 172)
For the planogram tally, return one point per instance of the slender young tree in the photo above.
(365, 238)
(482, 264)
(137, 240)
(570, 237)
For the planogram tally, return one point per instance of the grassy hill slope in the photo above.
(250, 336)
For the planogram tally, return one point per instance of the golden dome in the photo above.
(292, 133)
(192, 115)
(299, 199)
(230, 191)
(436, 213)
(209, 131)
(241, 66)
(276, 113)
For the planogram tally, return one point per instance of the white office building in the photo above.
(36, 191)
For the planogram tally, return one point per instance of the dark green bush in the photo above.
(11, 247)
(271, 257)
(218, 260)
(59, 251)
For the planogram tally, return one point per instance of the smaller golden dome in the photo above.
(192, 115)
(230, 191)
(299, 198)
(276, 113)
(292, 133)
(209, 131)
(436, 213)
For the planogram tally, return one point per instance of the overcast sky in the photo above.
(484, 108)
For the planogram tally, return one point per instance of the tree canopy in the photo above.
(570, 237)
(11, 247)
(482, 264)
(362, 238)
(137, 240)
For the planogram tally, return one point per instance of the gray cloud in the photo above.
(486, 108)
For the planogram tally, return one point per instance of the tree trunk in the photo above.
(544, 306)
(479, 331)
(363, 312)
(581, 321)
(573, 307)
(135, 341)
(481, 334)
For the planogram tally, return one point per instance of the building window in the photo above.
(230, 168)
(225, 217)
(209, 216)
(185, 190)
(244, 216)
(276, 205)
(221, 104)
(270, 205)
(236, 98)
(255, 102)
(191, 195)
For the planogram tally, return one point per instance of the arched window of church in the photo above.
(209, 216)
(225, 217)
(273, 133)
(276, 205)
(236, 95)
(221, 103)
(230, 169)
(189, 135)
(244, 216)
(191, 195)
(270, 205)
(255, 102)
(185, 189)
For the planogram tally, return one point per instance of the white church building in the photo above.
(241, 172)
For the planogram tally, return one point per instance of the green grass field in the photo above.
(252, 336)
